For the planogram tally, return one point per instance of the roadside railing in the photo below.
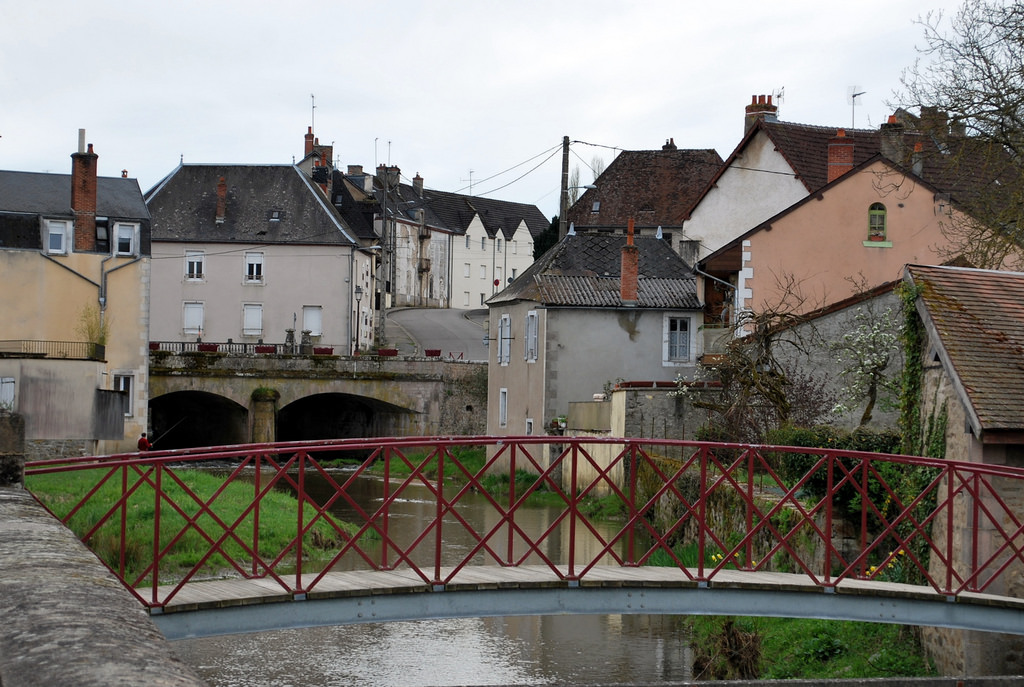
(67, 350)
(829, 515)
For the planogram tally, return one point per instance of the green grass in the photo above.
(278, 523)
(792, 648)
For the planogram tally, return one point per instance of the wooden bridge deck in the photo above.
(213, 594)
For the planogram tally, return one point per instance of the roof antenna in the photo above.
(851, 97)
(312, 112)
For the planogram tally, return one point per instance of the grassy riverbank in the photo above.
(277, 521)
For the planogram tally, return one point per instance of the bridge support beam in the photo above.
(263, 417)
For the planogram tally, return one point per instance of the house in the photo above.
(657, 188)
(256, 254)
(971, 408)
(75, 255)
(450, 250)
(594, 309)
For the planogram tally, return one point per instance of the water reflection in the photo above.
(434, 653)
(527, 650)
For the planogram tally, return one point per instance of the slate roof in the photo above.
(655, 187)
(977, 317)
(583, 270)
(50, 195)
(184, 207)
(453, 212)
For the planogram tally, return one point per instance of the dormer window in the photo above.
(876, 222)
(56, 236)
(275, 215)
(126, 238)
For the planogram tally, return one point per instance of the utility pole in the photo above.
(563, 207)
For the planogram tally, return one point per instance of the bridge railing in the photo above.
(701, 507)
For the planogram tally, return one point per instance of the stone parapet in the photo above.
(66, 619)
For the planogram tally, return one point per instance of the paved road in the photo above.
(459, 333)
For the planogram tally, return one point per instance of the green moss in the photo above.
(264, 393)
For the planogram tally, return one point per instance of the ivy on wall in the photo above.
(912, 338)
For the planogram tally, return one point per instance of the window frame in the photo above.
(250, 311)
(190, 256)
(878, 215)
(257, 260)
(503, 407)
(504, 339)
(194, 307)
(126, 383)
(531, 343)
(8, 389)
(670, 354)
(307, 317)
(57, 227)
(132, 231)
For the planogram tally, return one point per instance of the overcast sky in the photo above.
(451, 89)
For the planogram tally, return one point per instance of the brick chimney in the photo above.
(670, 144)
(417, 184)
(83, 195)
(840, 155)
(222, 200)
(630, 271)
(760, 108)
(891, 144)
(309, 142)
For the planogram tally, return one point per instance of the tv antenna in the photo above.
(312, 112)
(779, 95)
(470, 180)
(851, 97)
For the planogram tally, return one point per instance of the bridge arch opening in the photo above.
(340, 416)
(185, 419)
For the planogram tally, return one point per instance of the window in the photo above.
(7, 393)
(465, 269)
(497, 244)
(677, 339)
(504, 339)
(483, 271)
(313, 319)
(194, 261)
(467, 240)
(123, 383)
(102, 235)
(125, 238)
(596, 207)
(252, 319)
(483, 243)
(483, 298)
(254, 267)
(465, 299)
(56, 236)
(530, 353)
(503, 407)
(515, 247)
(193, 318)
(514, 270)
(529, 426)
(876, 222)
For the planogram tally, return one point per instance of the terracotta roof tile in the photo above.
(978, 316)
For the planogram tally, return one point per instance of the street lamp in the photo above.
(359, 314)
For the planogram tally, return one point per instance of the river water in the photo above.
(516, 650)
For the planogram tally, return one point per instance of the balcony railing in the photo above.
(66, 350)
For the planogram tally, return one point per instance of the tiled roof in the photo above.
(655, 187)
(184, 207)
(583, 270)
(978, 317)
(805, 147)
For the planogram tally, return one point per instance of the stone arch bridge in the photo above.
(205, 399)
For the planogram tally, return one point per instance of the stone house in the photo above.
(972, 373)
(75, 255)
(594, 309)
(247, 253)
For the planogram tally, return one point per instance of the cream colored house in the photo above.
(250, 255)
(75, 255)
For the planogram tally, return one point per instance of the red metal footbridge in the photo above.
(255, 537)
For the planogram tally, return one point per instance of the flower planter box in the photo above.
(432, 352)
(387, 352)
(208, 348)
(323, 350)
(266, 349)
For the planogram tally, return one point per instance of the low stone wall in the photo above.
(66, 619)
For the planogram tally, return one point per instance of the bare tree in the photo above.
(574, 185)
(597, 166)
(969, 87)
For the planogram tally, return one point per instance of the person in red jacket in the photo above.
(144, 444)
